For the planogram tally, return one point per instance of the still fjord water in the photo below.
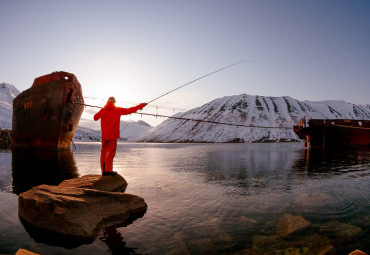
(208, 198)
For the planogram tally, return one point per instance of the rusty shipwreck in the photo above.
(47, 114)
(334, 133)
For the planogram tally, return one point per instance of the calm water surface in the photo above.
(208, 198)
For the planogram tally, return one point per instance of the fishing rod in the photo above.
(197, 120)
(197, 79)
(136, 103)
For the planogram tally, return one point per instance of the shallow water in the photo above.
(208, 198)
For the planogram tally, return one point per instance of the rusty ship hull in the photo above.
(334, 133)
(47, 114)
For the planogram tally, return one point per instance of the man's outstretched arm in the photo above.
(126, 111)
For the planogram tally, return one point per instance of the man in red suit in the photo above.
(110, 117)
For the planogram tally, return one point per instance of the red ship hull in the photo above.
(334, 133)
(47, 114)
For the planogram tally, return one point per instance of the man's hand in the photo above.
(142, 105)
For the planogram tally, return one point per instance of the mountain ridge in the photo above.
(258, 111)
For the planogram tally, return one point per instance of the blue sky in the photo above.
(138, 50)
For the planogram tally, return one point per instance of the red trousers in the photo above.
(108, 151)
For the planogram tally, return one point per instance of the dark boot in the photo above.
(113, 173)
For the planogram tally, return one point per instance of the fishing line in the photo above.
(196, 120)
(204, 76)
(209, 121)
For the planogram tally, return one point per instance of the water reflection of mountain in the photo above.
(249, 164)
(33, 167)
(278, 166)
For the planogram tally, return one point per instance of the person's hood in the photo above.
(109, 106)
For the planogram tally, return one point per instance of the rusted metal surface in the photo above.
(334, 133)
(47, 114)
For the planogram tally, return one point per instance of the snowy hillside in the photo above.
(250, 110)
(7, 94)
(86, 135)
(129, 130)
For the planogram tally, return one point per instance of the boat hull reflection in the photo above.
(33, 167)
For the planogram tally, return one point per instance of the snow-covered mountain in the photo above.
(7, 93)
(131, 130)
(87, 134)
(258, 111)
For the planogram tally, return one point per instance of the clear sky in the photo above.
(137, 50)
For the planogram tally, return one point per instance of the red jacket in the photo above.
(110, 119)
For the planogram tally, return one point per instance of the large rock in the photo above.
(75, 214)
(289, 224)
(98, 182)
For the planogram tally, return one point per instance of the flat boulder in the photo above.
(75, 215)
(97, 182)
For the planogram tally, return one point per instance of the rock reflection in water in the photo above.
(109, 234)
(33, 167)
